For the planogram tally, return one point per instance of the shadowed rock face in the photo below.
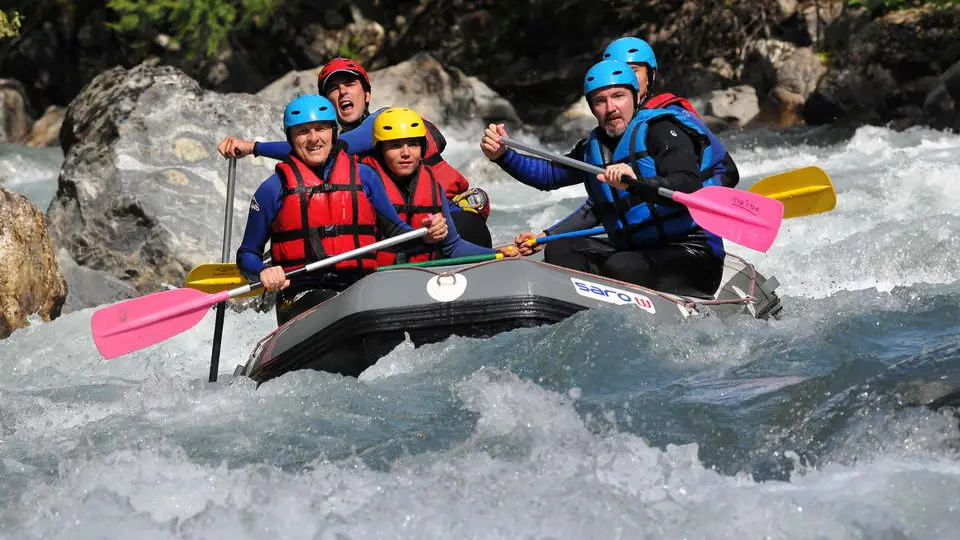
(30, 278)
(141, 192)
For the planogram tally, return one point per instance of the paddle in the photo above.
(803, 192)
(445, 262)
(572, 234)
(216, 277)
(746, 218)
(134, 324)
(224, 257)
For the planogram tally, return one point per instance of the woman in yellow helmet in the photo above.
(399, 138)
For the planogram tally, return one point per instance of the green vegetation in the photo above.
(197, 27)
(10, 24)
(884, 6)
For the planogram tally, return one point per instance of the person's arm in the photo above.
(731, 174)
(278, 150)
(537, 172)
(264, 207)
(581, 218)
(359, 140)
(454, 245)
(676, 160)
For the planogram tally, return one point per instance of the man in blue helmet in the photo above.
(639, 55)
(651, 241)
(322, 202)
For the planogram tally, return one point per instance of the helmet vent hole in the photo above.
(633, 50)
(618, 72)
(415, 124)
(387, 128)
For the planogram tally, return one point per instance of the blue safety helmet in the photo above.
(309, 108)
(608, 73)
(631, 50)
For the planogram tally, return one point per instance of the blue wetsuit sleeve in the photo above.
(278, 150)
(454, 245)
(264, 207)
(539, 173)
(581, 218)
(360, 139)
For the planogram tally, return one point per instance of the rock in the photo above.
(90, 288)
(30, 279)
(360, 39)
(818, 16)
(788, 8)
(141, 191)
(764, 59)
(851, 96)
(781, 109)
(46, 130)
(446, 97)
(940, 106)
(15, 117)
(837, 34)
(739, 103)
(294, 83)
(951, 81)
(573, 124)
(801, 72)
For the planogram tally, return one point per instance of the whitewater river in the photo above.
(597, 427)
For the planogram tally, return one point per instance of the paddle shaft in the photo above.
(329, 261)
(224, 257)
(572, 234)
(445, 262)
(568, 161)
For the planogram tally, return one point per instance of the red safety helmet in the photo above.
(342, 64)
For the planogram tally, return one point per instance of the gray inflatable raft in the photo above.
(350, 332)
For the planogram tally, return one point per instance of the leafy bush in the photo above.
(9, 24)
(198, 27)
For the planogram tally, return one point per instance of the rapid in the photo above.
(602, 426)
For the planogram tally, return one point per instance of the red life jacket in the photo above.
(452, 182)
(319, 218)
(666, 99)
(426, 199)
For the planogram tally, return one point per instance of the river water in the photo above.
(598, 427)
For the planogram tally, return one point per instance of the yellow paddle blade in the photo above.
(214, 278)
(803, 192)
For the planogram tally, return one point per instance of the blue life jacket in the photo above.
(638, 224)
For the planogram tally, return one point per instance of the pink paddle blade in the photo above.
(134, 324)
(746, 218)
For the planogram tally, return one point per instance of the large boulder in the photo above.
(738, 104)
(142, 188)
(887, 67)
(30, 279)
(797, 76)
(447, 97)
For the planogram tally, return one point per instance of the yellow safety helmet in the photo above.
(398, 123)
